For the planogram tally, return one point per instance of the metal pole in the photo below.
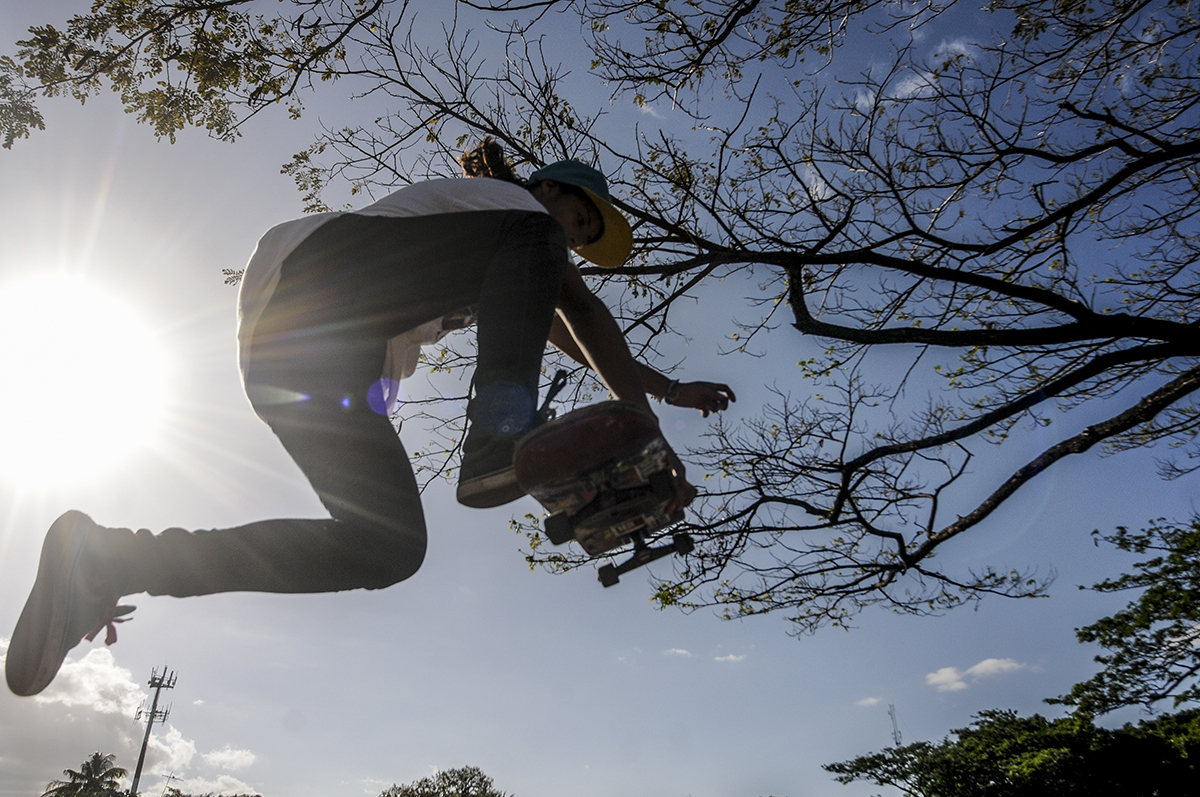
(167, 785)
(157, 683)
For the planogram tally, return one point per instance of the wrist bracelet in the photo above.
(670, 394)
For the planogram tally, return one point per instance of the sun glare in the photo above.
(82, 380)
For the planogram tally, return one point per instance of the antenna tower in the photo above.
(896, 737)
(155, 714)
(167, 784)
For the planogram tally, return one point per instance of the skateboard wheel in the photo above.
(558, 529)
(608, 575)
(683, 543)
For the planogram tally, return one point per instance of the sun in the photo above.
(81, 380)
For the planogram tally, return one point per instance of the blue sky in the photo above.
(551, 684)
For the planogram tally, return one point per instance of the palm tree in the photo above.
(96, 778)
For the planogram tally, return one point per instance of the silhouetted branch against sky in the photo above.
(937, 224)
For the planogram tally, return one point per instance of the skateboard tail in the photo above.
(582, 441)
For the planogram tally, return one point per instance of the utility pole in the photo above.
(167, 785)
(157, 683)
(896, 737)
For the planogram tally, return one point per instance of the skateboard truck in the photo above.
(561, 528)
(604, 474)
(644, 554)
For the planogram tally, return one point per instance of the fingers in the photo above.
(707, 397)
(715, 398)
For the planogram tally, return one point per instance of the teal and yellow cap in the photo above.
(616, 242)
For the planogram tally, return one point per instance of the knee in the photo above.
(540, 230)
(396, 558)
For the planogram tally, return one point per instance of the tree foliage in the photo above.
(1013, 209)
(1152, 642)
(461, 782)
(96, 777)
(1153, 657)
(1004, 755)
(175, 64)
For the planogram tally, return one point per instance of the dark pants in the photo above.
(318, 349)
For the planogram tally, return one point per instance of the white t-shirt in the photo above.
(459, 195)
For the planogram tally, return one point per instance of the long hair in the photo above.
(487, 160)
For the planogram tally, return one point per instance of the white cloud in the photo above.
(730, 657)
(229, 758)
(92, 699)
(958, 47)
(97, 682)
(951, 679)
(222, 784)
(947, 679)
(197, 702)
(868, 701)
(677, 652)
(989, 667)
(864, 101)
(918, 84)
(169, 752)
(817, 185)
(174, 754)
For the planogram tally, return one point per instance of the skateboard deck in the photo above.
(602, 473)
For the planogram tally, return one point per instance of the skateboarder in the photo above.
(331, 310)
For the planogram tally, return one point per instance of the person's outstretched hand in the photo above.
(704, 396)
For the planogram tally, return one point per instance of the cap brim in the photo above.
(616, 244)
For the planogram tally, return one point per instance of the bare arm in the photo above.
(704, 396)
(596, 339)
(596, 336)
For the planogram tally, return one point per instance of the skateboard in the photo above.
(602, 473)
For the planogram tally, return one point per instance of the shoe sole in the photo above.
(491, 490)
(40, 640)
